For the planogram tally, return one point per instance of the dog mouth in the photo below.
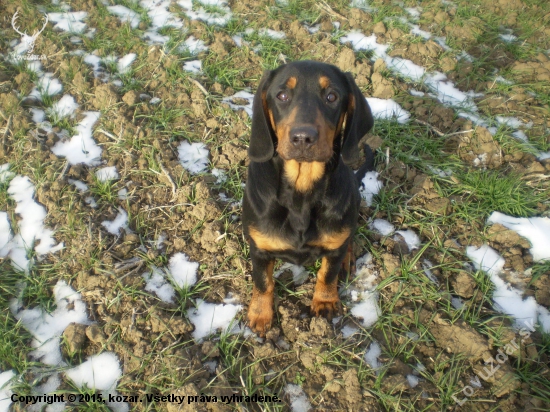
(304, 157)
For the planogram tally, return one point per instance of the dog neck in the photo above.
(303, 175)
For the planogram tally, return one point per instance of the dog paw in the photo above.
(260, 316)
(327, 309)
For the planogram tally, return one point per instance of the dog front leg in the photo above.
(260, 310)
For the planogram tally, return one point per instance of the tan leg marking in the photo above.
(325, 297)
(260, 310)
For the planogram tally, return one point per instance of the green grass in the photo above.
(488, 191)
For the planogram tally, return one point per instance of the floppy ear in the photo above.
(261, 148)
(358, 122)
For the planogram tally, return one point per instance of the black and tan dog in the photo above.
(302, 200)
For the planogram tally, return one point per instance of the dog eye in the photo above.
(331, 97)
(283, 96)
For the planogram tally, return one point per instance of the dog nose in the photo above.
(304, 136)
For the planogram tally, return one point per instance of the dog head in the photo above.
(308, 112)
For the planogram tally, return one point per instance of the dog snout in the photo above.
(304, 137)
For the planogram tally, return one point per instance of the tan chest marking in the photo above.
(331, 241)
(268, 242)
(303, 175)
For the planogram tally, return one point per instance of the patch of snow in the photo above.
(193, 66)
(120, 222)
(6, 383)
(64, 107)
(535, 229)
(46, 86)
(32, 233)
(370, 186)
(382, 226)
(182, 271)
(209, 317)
(107, 173)
(125, 15)
(372, 354)
(100, 372)
(244, 95)
(47, 328)
(155, 282)
(81, 148)
(299, 273)
(220, 17)
(69, 21)
(298, 399)
(413, 380)
(193, 156)
(411, 238)
(508, 299)
(364, 292)
(387, 109)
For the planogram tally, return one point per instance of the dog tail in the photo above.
(368, 166)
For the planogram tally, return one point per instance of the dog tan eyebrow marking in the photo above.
(324, 82)
(291, 82)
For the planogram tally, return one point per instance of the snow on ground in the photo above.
(442, 88)
(69, 21)
(411, 239)
(507, 298)
(385, 228)
(387, 109)
(157, 10)
(382, 226)
(209, 317)
(155, 282)
(31, 234)
(107, 173)
(372, 354)
(193, 156)
(299, 273)
(220, 17)
(182, 271)
(242, 95)
(47, 328)
(124, 63)
(6, 382)
(99, 372)
(125, 15)
(119, 222)
(99, 65)
(298, 399)
(193, 45)
(220, 175)
(46, 86)
(51, 385)
(535, 229)
(370, 186)
(81, 148)
(5, 173)
(193, 66)
(413, 380)
(363, 292)
(348, 331)
(64, 107)
(427, 266)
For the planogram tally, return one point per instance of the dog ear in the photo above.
(358, 122)
(261, 148)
